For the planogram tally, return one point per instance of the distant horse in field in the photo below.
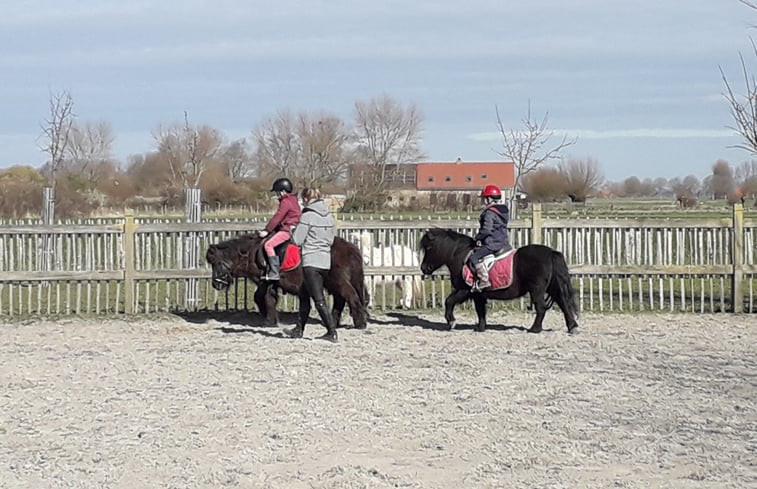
(244, 257)
(536, 270)
(394, 255)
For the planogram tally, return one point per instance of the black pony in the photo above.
(244, 257)
(537, 270)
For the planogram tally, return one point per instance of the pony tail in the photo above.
(561, 283)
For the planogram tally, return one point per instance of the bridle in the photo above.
(224, 278)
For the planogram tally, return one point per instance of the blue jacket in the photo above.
(493, 230)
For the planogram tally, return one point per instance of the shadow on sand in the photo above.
(238, 321)
(401, 319)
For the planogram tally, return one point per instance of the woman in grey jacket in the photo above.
(314, 235)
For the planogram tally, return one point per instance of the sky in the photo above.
(637, 82)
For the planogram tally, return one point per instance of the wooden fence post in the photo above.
(737, 290)
(48, 240)
(536, 221)
(192, 214)
(129, 266)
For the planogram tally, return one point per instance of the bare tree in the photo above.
(90, 148)
(746, 178)
(661, 185)
(310, 149)
(544, 185)
(276, 145)
(744, 109)
(56, 131)
(236, 160)
(189, 150)
(632, 187)
(387, 135)
(324, 141)
(722, 179)
(685, 190)
(581, 178)
(692, 184)
(745, 171)
(530, 148)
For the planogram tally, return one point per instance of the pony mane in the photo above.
(235, 246)
(450, 237)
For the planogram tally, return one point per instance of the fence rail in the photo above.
(128, 266)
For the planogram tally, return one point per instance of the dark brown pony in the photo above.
(244, 257)
(538, 271)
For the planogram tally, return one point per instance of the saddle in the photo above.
(288, 253)
(500, 267)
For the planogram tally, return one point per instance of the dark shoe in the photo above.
(273, 269)
(295, 332)
(329, 336)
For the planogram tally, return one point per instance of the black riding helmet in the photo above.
(282, 185)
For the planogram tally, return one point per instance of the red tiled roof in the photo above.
(464, 175)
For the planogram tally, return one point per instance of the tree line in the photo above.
(314, 149)
(579, 179)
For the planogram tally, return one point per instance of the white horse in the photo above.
(395, 255)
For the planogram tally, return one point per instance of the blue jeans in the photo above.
(478, 255)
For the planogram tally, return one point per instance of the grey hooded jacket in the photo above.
(315, 234)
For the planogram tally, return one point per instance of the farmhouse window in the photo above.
(468, 179)
(447, 179)
(483, 176)
(430, 179)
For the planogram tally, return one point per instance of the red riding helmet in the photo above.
(491, 191)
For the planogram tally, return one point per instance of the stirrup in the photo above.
(476, 287)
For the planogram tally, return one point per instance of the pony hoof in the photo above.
(479, 329)
(534, 329)
(573, 329)
(451, 325)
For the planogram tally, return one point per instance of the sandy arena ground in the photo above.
(633, 401)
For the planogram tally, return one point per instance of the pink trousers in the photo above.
(275, 240)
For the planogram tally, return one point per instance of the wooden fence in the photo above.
(132, 266)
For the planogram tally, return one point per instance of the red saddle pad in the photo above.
(291, 257)
(500, 274)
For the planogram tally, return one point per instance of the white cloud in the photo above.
(643, 133)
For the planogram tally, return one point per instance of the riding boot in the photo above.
(273, 269)
(483, 276)
(328, 321)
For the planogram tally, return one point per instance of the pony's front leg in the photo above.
(261, 291)
(456, 297)
(480, 302)
(271, 301)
